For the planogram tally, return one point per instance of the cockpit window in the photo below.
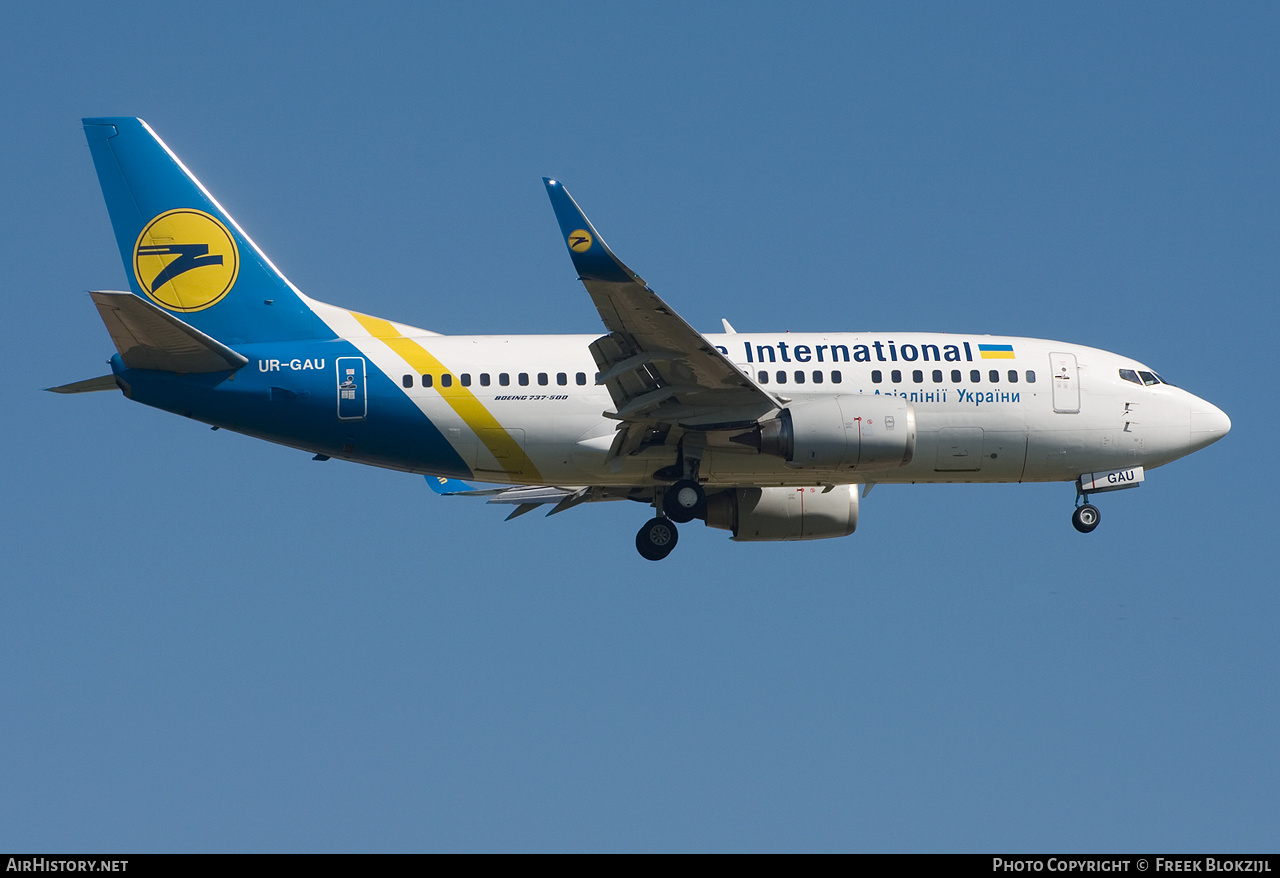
(1141, 377)
(1164, 380)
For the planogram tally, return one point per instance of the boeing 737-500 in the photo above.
(767, 435)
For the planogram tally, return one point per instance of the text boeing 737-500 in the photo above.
(766, 435)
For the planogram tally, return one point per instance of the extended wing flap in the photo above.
(656, 366)
(150, 338)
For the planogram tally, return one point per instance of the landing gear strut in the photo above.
(684, 501)
(656, 539)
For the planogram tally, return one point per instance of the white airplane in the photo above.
(766, 435)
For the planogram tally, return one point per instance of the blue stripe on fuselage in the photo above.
(298, 406)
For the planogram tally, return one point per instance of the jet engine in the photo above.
(770, 514)
(840, 432)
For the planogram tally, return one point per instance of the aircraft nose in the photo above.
(1208, 423)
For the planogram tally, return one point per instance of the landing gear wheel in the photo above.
(1086, 518)
(656, 539)
(685, 501)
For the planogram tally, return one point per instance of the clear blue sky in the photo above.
(211, 643)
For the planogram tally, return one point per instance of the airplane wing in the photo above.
(527, 498)
(658, 369)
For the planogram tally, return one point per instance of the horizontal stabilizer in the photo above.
(148, 337)
(89, 385)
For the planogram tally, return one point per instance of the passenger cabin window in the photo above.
(782, 377)
(465, 379)
(407, 381)
(484, 379)
(917, 376)
(995, 376)
(1013, 376)
(426, 380)
(937, 376)
(1031, 377)
(955, 376)
(835, 376)
(562, 379)
(580, 378)
(799, 377)
(542, 379)
(896, 376)
(975, 376)
(523, 378)
(817, 377)
(876, 376)
(763, 377)
(504, 379)
(446, 380)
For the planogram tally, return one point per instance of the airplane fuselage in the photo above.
(528, 409)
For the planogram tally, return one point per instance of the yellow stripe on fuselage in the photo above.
(510, 456)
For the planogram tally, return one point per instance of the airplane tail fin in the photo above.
(183, 251)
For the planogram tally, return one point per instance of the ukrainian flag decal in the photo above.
(995, 351)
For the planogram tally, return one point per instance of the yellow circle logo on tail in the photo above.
(580, 241)
(185, 260)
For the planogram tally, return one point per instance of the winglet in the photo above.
(441, 485)
(591, 255)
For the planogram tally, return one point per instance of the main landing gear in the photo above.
(684, 501)
(1086, 517)
(656, 539)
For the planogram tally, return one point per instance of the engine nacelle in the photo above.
(858, 432)
(768, 514)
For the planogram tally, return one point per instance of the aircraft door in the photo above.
(353, 402)
(1066, 383)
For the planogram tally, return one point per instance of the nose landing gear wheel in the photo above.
(685, 501)
(1086, 518)
(656, 539)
